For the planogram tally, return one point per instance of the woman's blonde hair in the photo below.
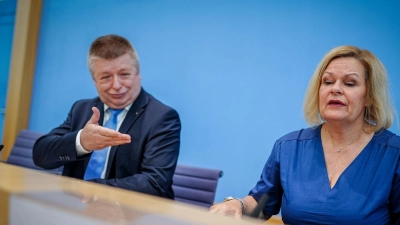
(380, 110)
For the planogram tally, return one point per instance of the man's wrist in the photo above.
(234, 198)
(79, 148)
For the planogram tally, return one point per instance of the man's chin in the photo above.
(117, 105)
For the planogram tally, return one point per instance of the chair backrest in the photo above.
(21, 153)
(195, 185)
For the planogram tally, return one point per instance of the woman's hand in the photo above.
(232, 208)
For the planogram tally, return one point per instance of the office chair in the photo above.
(21, 153)
(195, 185)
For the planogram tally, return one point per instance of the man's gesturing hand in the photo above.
(95, 137)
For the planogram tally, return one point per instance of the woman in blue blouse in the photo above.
(346, 168)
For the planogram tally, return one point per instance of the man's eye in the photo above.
(107, 77)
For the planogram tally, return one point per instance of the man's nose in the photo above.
(116, 82)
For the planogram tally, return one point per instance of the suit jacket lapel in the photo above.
(134, 112)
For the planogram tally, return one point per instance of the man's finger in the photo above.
(106, 132)
(118, 142)
(95, 117)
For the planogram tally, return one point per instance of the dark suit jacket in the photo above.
(146, 165)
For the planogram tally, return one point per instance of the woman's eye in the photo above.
(350, 84)
(327, 82)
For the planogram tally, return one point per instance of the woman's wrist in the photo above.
(238, 199)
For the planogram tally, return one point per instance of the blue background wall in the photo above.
(7, 19)
(236, 71)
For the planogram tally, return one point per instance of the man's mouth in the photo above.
(117, 95)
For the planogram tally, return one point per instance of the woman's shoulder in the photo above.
(388, 138)
(302, 134)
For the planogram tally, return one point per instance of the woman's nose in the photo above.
(337, 88)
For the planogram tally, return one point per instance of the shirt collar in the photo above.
(126, 108)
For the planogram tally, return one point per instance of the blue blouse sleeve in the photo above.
(270, 183)
(394, 199)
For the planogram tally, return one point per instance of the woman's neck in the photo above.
(342, 136)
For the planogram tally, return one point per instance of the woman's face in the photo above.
(343, 90)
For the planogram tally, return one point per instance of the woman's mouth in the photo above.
(335, 103)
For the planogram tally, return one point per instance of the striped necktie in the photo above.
(98, 158)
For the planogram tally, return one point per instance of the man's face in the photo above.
(117, 81)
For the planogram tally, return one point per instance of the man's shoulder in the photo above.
(86, 102)
(154, 103)
(155, 111)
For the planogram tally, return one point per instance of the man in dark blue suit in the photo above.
(141, 154)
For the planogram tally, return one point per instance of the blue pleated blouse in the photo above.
(296, 180)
